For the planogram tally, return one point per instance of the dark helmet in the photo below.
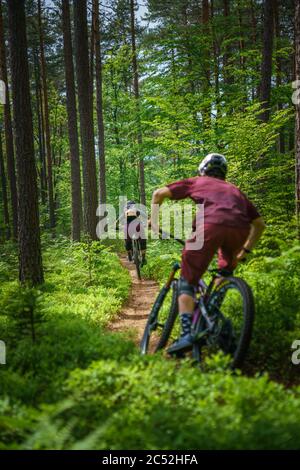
(130, 204)
(213, 164)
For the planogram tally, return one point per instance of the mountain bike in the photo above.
(222, 320)
(137, 255)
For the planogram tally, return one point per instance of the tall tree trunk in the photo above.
(137, 98)
(92, 62)
(206, 62)
(216, 50)
(10, 157)
(205, 12)
(281, 139)
(101, 136)
(86, 118)
(31, 269)
(297, 132)
(4, 192)
(227, 76)
(72, 122)
(46, 120)
(255, 87)
(39, 113)
(266, 68)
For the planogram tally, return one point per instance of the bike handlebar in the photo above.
(166, 235)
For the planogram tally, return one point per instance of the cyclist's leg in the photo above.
(143, 241)
(233, 241)
(194, 264)
(144, 250)
(128, 247)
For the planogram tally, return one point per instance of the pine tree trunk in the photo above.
(86, 118)
(216, 50)
(39, 113)
(266, 68)
(137, 98)
(10, 157)
(281, 139)
(4, 192)
(297, 132)
(46, 120)
(206, 62)
(30, 259)
(228, 78)
(92, 62)
(72, 123)
(101, 136)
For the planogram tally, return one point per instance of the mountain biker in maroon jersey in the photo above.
(232, 226)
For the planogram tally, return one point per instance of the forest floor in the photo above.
(135, 312)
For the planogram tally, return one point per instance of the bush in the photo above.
(74, 311)
(77, 386)
(157, 404)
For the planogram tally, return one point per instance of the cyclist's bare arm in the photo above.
(257, 228)
(160, 195)
(158, 198)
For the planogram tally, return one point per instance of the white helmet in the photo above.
(213, 161)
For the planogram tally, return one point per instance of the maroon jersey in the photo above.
(224, 203)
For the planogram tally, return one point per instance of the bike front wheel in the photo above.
(161, 320)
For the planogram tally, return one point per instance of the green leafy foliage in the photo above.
(157, 404)
(74, 313)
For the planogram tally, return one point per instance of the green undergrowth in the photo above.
(69, 383)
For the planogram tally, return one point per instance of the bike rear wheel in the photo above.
(232, 305)
(161, 320)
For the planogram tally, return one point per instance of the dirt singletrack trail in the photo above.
(135, 312)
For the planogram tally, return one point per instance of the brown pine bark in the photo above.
(206, 62)
(86, 117)
(281, 139)
(92, 61)
(137, 98)
(72, 122)
(4, 192)
(227, 76)
(255, 88)
(266, 68)
(10, 155)
(46, 120)
(205, 11)
(297, 131)
(39, 113)
(216, 53)
(99, 85)
(30, 260)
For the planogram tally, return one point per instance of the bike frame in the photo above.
(203, 289)
(200, 304)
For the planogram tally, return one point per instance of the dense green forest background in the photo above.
(115, 98)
